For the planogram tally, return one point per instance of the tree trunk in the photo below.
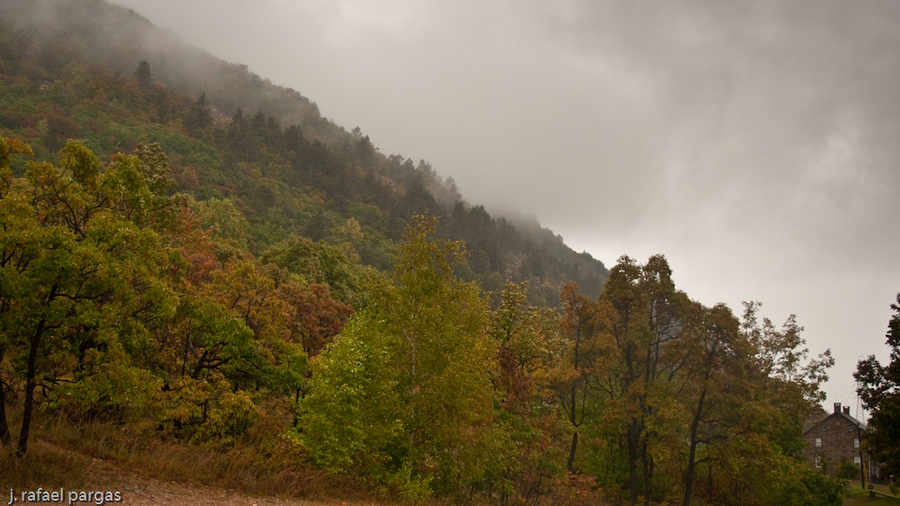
(648, 466)
(692, 453)
(633, 435)
(570, 464)
(30, 384)
(5, 436)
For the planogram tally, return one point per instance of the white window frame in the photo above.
(818, 442)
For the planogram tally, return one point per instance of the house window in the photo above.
(856, 442)
(818, 442)
(819, 461)
(856, 460)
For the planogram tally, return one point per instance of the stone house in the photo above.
(835, 439)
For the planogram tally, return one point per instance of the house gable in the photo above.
(833, 440)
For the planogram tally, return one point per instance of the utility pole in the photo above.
(862, 463)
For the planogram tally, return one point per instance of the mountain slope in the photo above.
(67, 69)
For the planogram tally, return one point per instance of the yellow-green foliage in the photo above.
(404, 394)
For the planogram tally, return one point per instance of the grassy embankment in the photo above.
(860, 496)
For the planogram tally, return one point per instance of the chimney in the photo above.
(846, 410)
(837, 407)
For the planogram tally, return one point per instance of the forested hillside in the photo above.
(231, 135)
(202, 262)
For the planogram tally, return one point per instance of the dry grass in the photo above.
(61, 452)
(43, 466)
(90, 453)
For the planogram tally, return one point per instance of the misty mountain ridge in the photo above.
(222, 127)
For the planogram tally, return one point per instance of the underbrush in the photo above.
(89, 453)
(61, 452)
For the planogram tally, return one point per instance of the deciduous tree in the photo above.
(879, 389)
(646, 332)
(412, 374)
(78, 265)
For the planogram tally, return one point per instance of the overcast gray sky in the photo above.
(755, 144)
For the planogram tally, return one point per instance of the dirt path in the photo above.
(140, 491)
(137, 490)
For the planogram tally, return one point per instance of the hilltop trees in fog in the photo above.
(143, 76)
(230, 134)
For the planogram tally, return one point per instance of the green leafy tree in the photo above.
(529, 349)
(746, 389)
(227, 346)
(879, 389)
(321, 263)
(712, 386)
(404, 395)
(579, 327)
(528, 346)
(8, 149)
(684, 388)
(786, 381)
(757, 460)
(225, 221)
(645, 334)
(80, 274)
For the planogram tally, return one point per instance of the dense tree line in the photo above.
(113, 299)
(118, 303)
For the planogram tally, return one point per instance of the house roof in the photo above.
(845, 416)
